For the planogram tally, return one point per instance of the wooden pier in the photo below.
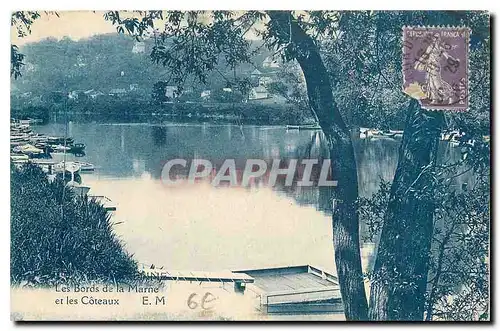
(198, 276)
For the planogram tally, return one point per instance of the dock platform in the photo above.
(304, 289)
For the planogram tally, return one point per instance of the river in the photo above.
(201, 227)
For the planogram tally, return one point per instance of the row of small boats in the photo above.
(453, 137)
(24, 141)
(364, 133)
(28, 146)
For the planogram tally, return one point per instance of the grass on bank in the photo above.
(58, 237)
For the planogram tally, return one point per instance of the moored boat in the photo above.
(60, 148)
(27, 149)
(60, 141)
(85, 166)
(19, 157)
(72, 167)
(77, 148)
(314, 126)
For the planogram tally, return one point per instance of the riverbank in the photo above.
(130, 109)
(58, 237)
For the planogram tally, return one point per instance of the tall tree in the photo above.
(285, 29)
(399, 281)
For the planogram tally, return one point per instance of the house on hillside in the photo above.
(73, 95)
(96, 94)
(256, 73)
(205, 95)
(93, 94)
(171, 91)
(258, 93)
(88, 92)
(133, 87)
(270, 62)
(118, 92)
(139, 47)
(265, 80)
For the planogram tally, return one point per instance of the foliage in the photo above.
(372, 211)
(21, 21)
(55, 67)
(57, 237)
(95, 63)
(363, 57)
(16, 61)
(458, 282)
(362, 51)
(459, 265)
(222, 96)
(158, 94)
(191, 42)
(38, 112)
(291, 85)
(128, 108)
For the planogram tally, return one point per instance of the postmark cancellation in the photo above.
(436, 66)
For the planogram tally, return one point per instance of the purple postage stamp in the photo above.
(436, 66)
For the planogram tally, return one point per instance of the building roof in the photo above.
(260, 89)
(118, 90)
(256, 72)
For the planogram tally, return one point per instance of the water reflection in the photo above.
(128, 150)
(205, 228)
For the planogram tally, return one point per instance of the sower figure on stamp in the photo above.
(436, 89)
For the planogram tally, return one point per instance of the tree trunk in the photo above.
(399, 279)
(345, 218)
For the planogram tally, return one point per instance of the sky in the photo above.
(73, 24)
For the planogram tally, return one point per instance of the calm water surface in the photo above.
(200, 227)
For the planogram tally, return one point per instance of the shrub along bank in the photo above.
(57, 237)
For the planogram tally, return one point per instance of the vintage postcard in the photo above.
(250, 165)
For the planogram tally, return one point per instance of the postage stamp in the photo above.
(435, 66)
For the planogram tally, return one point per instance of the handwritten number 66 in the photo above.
(207, 298)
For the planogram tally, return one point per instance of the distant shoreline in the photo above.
(119, 110)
